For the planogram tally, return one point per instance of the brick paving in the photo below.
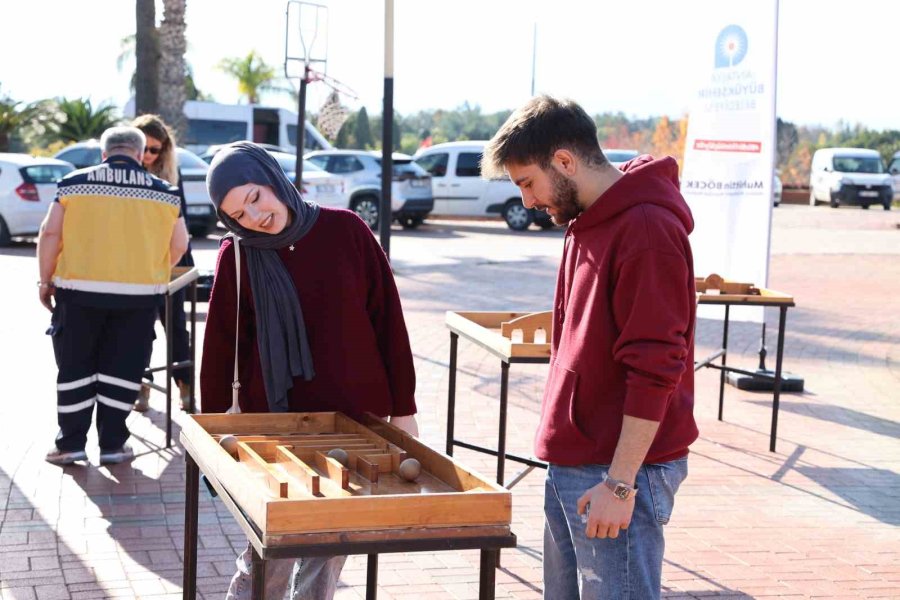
(816, 519)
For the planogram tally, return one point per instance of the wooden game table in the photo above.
(493, 331)
(716, 291)
(291, 498)
(181, 277)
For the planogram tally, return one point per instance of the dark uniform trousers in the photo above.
(101, 354)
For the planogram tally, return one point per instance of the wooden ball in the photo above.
(229, 443)
(410, 469)
(340, 455)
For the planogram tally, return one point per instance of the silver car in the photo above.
(411, 196)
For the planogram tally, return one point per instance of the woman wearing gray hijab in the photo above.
(320, 325)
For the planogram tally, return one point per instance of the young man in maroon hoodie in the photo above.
(617, 414)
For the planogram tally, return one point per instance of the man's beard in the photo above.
(565, 198)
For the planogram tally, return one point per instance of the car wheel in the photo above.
(517, 217)
(5, 237)
(835, 204)
(411, 222)
(865, 206)
(367, 209)
(887, 205)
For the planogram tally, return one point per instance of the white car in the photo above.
(849, 176)
(894, 170)
(318, 185)
(619, 156)
(27, 187)
(459, 189)
(201, 215)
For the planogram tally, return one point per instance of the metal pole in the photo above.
(387, 125)
(451, 393)
(773, 435)
(301, 127)
(192, 478)
(533, 56)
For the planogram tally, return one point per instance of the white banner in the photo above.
(729, 156)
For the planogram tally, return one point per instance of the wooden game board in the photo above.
(716, 290)
(493, 331)
(282, 477)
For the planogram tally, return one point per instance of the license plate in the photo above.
(420, 183)
(198, 210)
(868, 194)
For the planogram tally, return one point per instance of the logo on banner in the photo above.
(731, 46)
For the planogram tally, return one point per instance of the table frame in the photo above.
(181, 278)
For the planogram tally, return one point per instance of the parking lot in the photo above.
(816, 519)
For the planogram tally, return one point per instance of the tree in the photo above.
(79, 121)
(252, 73)
(126, 55)
(13, 116)
(146, 81)
(363, 130)
(172, 43)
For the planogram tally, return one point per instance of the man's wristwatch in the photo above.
(620, 489)
(44, 284)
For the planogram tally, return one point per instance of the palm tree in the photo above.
(146, 83)
(253, 75)
(82, 122)
(172, 45)
(126, 56)
(13, 116)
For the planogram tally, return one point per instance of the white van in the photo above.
(459, 190)
(849, 176)
(894, 170)
(211, 123)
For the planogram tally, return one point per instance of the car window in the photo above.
(895, 166)
(81, 157)
(620, 156)
(319, 161)
(468, 164)
(44, 173)
(343, 163)
(205, 132)
(858, 164)
(436, 163)
(189, 160)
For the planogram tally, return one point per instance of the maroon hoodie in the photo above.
(623, 334)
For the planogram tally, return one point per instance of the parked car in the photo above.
(318, 185)
(849, 176)
(620, 156)
(894, 170)
(459, 190)
(411, 191)
(777, 188)
(213, 150)
(201, 216)
(27, 187)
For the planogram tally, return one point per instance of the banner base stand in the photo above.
(765, 382)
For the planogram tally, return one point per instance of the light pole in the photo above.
(387, 125)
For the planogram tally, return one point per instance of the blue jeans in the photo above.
(628, 567)
(310, 578)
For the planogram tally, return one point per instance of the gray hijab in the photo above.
(283, 343)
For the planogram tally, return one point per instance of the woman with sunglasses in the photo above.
(161, 160)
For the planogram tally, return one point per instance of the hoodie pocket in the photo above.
(558, 425)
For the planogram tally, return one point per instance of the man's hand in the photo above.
(45, 293)
(606, 514)
(407, 424)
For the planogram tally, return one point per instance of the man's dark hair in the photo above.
(535, 131)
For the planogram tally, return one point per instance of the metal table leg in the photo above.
(487, 576)
(192, 476)
(501, 434)
(191, 407)
(258, 577)
(451, 394)
(169, 370)
(724, 360)
(372, 577)
(782, 318)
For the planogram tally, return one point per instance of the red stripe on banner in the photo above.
(727, 146)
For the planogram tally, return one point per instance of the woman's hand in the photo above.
(406, 423)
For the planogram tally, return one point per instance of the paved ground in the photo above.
(816, 519)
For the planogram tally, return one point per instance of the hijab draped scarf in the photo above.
(283, 344)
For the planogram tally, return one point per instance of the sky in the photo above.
(639, 58)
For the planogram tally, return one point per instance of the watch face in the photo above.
(621, 492)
